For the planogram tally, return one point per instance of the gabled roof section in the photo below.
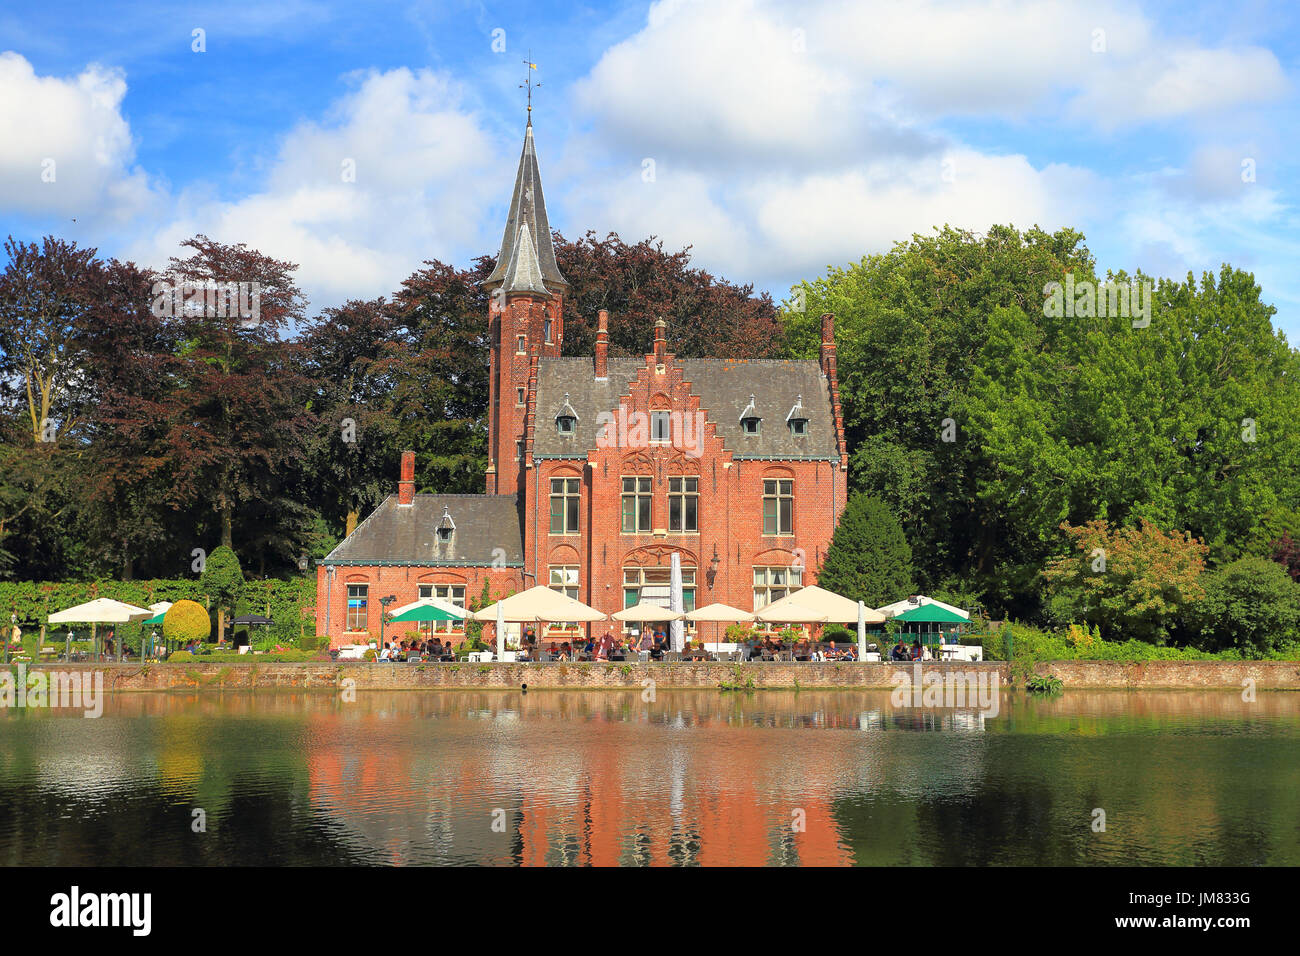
(528, 216)
(750, 411)
(409, 536)
(726, 388)
(566, 410)
(797, 411)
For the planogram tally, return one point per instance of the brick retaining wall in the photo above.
(190, 676)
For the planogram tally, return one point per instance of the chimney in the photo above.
(828, 343)
(602, 345)
(660, 344)
(406, 487)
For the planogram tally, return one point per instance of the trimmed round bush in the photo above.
(187, 621)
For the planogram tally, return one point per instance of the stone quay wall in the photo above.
(326, 676)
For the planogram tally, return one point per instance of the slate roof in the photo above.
(524, 271)
(397, 535)
(527, 213)
(724, 387)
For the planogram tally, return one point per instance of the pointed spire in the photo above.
(528, 216)
(523, 273)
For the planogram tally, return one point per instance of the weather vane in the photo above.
(528, 84)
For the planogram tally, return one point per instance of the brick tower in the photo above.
(525, 319)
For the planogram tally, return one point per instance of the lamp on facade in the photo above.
(713, 565)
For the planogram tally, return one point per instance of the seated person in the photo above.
(899, 651)
(659, 645)
(832, 652)
(916, 650)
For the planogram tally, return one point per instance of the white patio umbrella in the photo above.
(540, 604)
(836, 608)
(647, 612)
(721, 613)
(787, 612)
(101, 611)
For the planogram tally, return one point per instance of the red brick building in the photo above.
(601, 468)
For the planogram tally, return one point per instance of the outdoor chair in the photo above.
(672, 656)
(415, 659)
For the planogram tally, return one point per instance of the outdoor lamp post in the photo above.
(383, 612)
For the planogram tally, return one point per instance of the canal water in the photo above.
(690, 778)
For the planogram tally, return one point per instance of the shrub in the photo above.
(179, 656)
(1252, 605)
(187, 621)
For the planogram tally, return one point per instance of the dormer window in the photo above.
(798, 418)
(566, 420)
(749, 418)
(446, 527)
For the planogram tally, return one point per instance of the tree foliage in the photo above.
(1251, 605)
(1131, 582)
(869, 558)
(187, 621)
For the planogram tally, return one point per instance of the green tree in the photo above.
(1130, 582)
(223, 582)
(1251, 604)
(869, 558)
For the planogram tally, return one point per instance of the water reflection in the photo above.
(694, 778)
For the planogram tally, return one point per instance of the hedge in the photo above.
(291, 604)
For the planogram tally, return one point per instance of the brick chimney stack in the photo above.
(406, 487)
(661, 344)
(828, 343)
(602, 345)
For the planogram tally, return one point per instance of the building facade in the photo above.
(602, 468)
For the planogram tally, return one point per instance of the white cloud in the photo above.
(425, 171)
(65, 147)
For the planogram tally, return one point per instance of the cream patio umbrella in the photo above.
(720, 614)
(647, 612)
(101, 611)
(540, 604)
(787, 612)
(835, 608)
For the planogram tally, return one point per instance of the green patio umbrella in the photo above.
(930, 614)
(422, 613)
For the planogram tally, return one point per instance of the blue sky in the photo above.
(776, 138)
